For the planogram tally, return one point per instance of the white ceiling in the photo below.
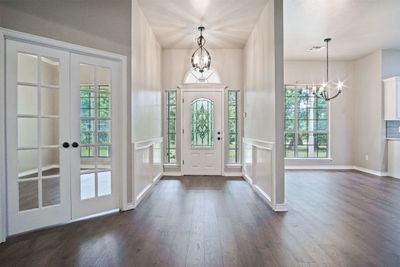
(228, 22)
(357, 27)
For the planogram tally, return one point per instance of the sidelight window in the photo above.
(171, 126)
(233, 131)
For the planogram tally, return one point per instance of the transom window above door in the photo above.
(208, 76)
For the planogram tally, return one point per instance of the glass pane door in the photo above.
(38, 182)
(95, 131)
(94, 184)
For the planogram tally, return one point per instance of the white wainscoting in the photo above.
(259, 169)
(147, 167)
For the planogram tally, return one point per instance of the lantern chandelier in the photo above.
(325, 89)
(201, 59)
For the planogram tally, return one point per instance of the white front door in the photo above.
(38, 166)
(94, 131)
(202, 132)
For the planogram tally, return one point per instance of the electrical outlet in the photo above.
(366, 157)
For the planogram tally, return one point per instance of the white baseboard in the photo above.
(336, 167)
(281, 207)
(130, 206)
(158, 177)
(142, 194)
(319, 167)
(232, 174)
(248, 179)
(145, 191)
(171, 174)
(373, 172)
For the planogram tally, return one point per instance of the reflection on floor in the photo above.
(29, 190)
(335, 218)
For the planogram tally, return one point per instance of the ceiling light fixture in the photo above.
(201, 59)
(324, 90)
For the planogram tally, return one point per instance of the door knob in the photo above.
(219, 133)
(65, 145)
(219, 138)
(75, 144)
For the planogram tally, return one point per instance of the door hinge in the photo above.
(183, 100)
(183, 162)
(183, 131)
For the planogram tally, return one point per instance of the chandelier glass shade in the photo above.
(323, 91)
(201, 58)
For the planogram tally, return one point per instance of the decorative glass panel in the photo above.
(171, 126)
(233, 147)
(202, 123)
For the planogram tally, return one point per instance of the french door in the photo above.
(61, 146)
(38, 166)
(202, 132)
(94, 82)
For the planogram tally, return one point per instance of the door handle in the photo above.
(75, 144)
(65, 145)
(219, 138)
(219, 133)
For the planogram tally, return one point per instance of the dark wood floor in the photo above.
(335, 218)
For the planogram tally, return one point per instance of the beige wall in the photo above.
(146, 89)
(146, 79)
(341, 111)
(390, 63)
(85, 23)
(227, 63)
(263, 83)
(368, 124)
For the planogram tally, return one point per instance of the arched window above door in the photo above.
(208, 76)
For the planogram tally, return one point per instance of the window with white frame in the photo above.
(171, 101)
(306, 123)
(233, 126)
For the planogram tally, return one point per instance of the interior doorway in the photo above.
(63, 147)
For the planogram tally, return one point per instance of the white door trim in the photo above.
(202, 87)
(72, 48)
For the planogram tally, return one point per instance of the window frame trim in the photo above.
(296, 132)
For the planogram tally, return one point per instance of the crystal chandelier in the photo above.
(324, 90)
(201, 59)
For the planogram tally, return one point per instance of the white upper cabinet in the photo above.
(392, 98)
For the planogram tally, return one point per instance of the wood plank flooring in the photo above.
(335, 218)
